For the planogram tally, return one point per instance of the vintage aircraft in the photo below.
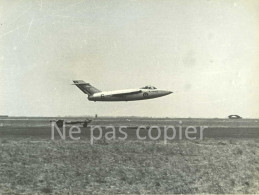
(143, 93)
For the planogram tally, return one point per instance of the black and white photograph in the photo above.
(129, 97)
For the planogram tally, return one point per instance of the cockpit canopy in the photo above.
(148, 87)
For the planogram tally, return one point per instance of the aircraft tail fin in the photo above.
(86, 87)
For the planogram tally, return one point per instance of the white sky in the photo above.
(206, 52)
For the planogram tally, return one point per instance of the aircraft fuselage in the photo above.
(143, 95)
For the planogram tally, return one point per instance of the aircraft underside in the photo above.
(135, 97)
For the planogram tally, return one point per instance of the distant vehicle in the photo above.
(234, 117)
(144, 93)
(3, 116)
(60, 122)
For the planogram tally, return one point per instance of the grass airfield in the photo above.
(225, 161)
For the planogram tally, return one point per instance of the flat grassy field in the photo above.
(39, 165)
(225, 161)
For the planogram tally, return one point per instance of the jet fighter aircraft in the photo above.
(144, 93)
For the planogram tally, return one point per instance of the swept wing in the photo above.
(123, 93)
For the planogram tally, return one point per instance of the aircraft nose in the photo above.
(165, 92)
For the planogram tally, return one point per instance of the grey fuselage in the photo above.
(142, 95)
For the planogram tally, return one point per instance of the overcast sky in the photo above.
(205, 51)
